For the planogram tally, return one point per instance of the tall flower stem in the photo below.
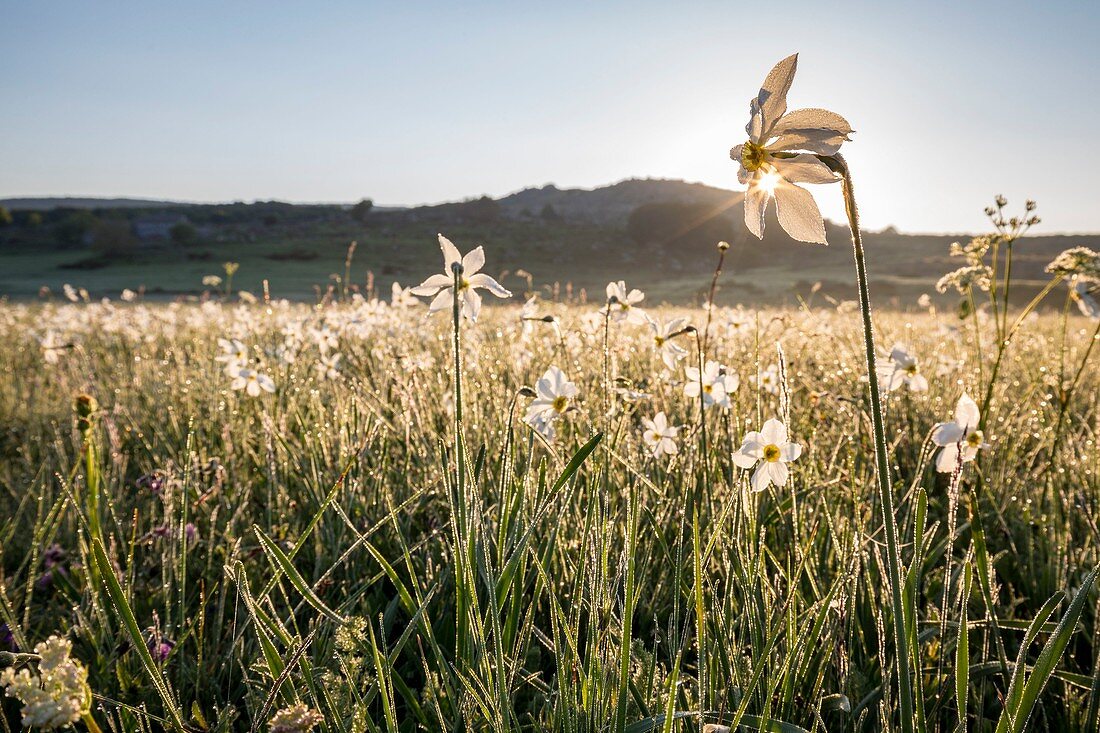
(456, 312)
(89, 723)
(607, 363)
(458, 510)
(722, 247)
(886, 491)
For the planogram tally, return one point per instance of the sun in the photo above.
(769, 182)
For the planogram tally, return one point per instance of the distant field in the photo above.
(583, 257)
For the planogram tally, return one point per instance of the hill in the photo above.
(612, 205)
(570, 240)
(47, 203)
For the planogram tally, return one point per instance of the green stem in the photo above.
(702, 407)
(713, 290)
(458, 511)
(886, 491)
(977, 332)
(89, 723)
(607, 365)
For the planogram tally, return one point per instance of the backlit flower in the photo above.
(623, 304)
(781, 151)
(961, 439)
(469, 280)
(1083, 293)
(402, 297)
(669, 351)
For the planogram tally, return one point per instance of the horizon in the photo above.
(392, 206)
(432, 104)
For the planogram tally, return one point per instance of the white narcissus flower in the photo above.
(960, 440)
(52, 346)
(1083, 293)
(770, 451)
(660, 437)
(528, 315)
(234, 355)
(328, 367)
(738, 322)
(622, 305)
(402, 297)
(711, 383)
(769, 379)
(662, 340)
(555, 398)
(442, 286)
(781, 151)
(901, 369)
(252, 382)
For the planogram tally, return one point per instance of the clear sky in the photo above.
(415, 102)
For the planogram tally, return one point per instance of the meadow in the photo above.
(275, 516)
(583, 514)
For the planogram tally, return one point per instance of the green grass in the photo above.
(776, 272)
(578, 585)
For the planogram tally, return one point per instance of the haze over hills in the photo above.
(658, 234)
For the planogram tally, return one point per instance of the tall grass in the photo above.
(362, 547)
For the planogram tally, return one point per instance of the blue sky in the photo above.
(408, 102)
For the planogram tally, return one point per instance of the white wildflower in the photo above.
(770, 451)
(555, 397)
(252, 382)
(669, 351)
(469, 281)
(328, 367)
(623, 304)
(770, 165)
(295, 719)
(712, 382)
(660, 437)
(901, 369)
(961, 439)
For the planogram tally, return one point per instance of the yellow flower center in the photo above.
(753, 156)
(660, 340)
(974, 440)
(911, 369)
(463, 283)
(560, 403)
(708, 388)
(771, 453)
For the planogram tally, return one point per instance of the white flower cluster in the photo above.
(1080, 262)
(965, 278)
(295, 719)
(58, 695)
